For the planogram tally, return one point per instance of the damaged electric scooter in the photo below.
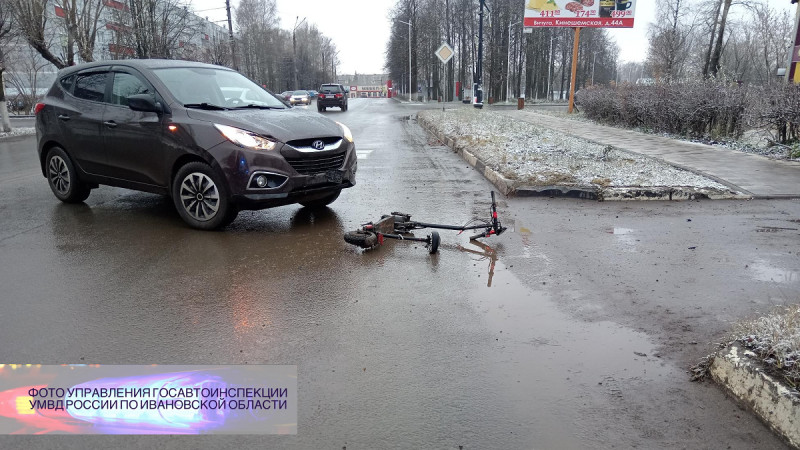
(399, 226)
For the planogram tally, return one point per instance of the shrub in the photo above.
(712, 109)
(775, 338)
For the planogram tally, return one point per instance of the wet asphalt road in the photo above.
(572, 330)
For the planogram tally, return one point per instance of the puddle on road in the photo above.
(556, 366)
(763, 271)
(528, 246)
(625, 236)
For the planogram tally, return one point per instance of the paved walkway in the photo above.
(752, 174)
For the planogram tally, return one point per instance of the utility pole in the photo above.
(294, 49)
(230, 35)
(477, 87)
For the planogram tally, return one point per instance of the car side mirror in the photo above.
(145, 103)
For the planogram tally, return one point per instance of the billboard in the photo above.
(580, 13)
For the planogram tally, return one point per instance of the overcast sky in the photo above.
(360, 28)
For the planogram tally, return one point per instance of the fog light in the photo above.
(261, 181)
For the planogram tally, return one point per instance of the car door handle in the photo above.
(63, 117)
(110, 124)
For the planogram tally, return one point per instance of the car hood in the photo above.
(282, 124)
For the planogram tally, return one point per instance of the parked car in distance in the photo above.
(313, 93)
(180, 128)
(300, 98)
(332, 95)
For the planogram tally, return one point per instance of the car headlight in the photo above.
(347, 134)
(244, 138)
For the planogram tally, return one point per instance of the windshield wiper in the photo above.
(204, 105)
(254, 106)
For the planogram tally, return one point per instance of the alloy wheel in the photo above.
(199, 196)
(59, 175)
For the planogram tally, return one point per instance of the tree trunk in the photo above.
(6, 124)
(720, 39)
(711, 41)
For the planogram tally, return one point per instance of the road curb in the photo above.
(503, 184)
(513, 187)
(771, 401)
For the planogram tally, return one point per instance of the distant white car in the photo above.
(300, 98)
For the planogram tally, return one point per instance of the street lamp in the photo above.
(409, 57)
(294, 48)
(508, 68)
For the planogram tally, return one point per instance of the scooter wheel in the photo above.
(434, 242)
(361, 238)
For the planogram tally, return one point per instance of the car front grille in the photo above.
(316, 164)
(303, 143)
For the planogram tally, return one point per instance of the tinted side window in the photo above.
(67, 82)
(125, 85)
(91, 86)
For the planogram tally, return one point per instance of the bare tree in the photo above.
(712, 20)
(218, 52)
(28, 66)
(153, 28)
(267, 54)
(261, 47)
(670, 39)
(31, 18)
(82, 18)
(717, 53)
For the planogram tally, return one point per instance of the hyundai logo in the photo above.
(319, 145)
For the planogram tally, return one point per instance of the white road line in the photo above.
(362, 154)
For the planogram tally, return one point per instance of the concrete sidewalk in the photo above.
(752, 174)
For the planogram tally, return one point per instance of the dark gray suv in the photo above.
(332, 95)
(206, 136)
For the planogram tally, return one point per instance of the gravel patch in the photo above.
(538, 156)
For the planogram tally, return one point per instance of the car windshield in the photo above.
(217, 87)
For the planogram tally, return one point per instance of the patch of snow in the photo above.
(539, 156)
(18, 132)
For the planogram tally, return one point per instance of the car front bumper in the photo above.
(293, 175)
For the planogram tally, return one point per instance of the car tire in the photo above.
(201, 197)
(320, 108)
(63, 178)
(361, 238)
(321, 202)
(434, 242)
